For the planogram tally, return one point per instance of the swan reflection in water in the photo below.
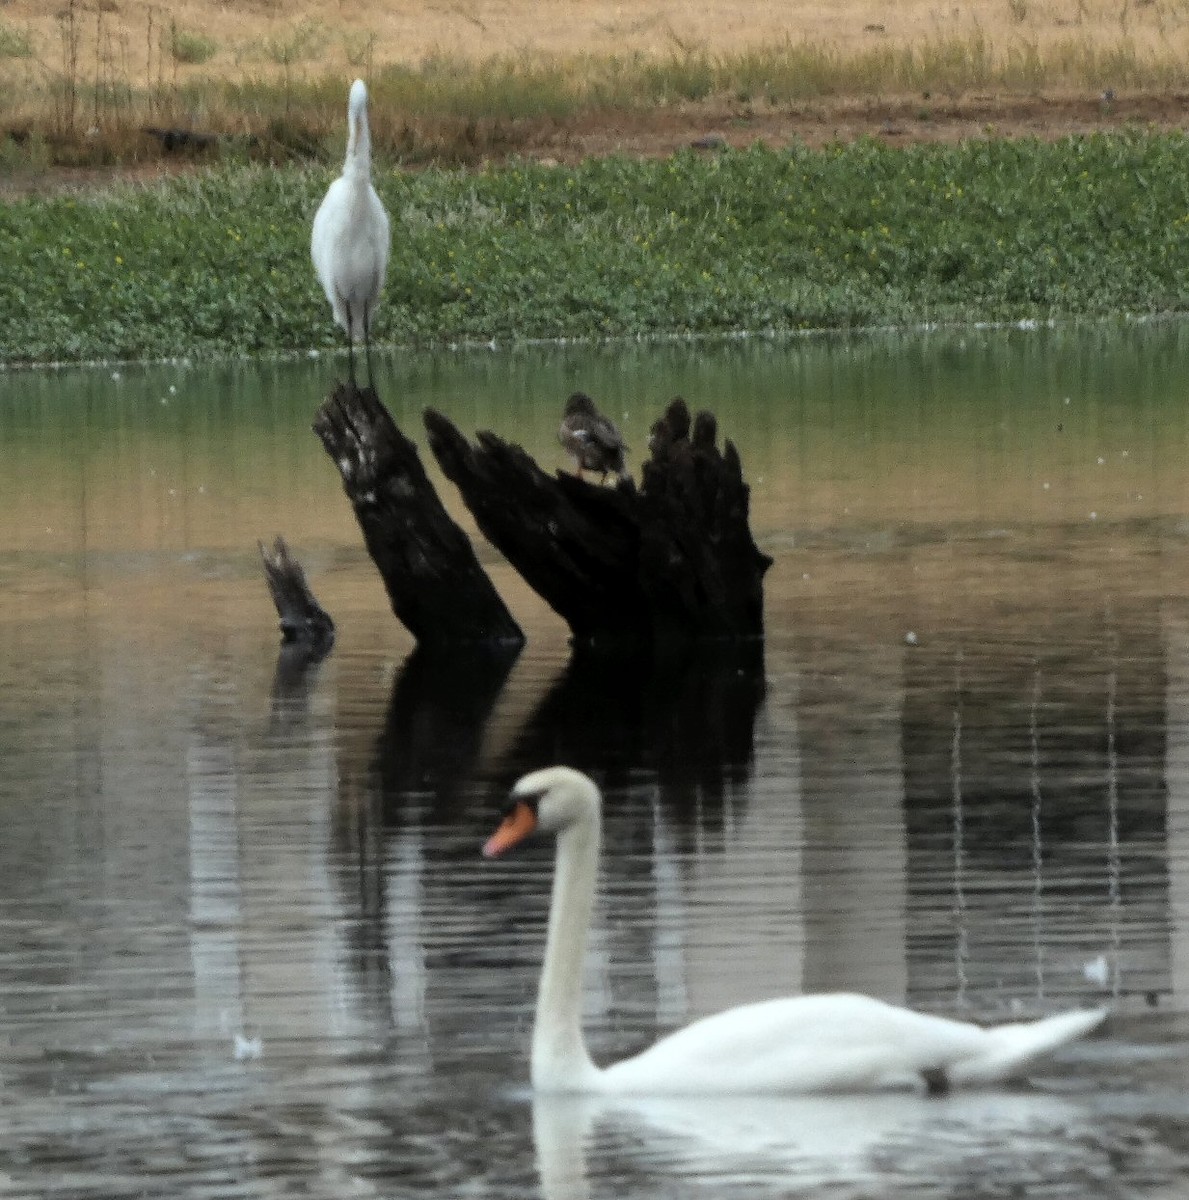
(801, 1143)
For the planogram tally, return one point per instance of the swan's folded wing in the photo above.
(800, 1044)
(837, 1042)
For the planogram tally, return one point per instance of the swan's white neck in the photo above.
(560, 1062)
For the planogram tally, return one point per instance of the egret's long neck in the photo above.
(359, 146)
(560, 1061)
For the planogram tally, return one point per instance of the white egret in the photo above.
(814, 1043)
(350, 240)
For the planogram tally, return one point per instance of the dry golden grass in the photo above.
(267, 38)
(473, 80)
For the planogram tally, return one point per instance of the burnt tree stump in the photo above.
(671, 561)
(574, 543)
(698, 559)
(435, 583)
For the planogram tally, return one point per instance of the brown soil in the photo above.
(895, 122)
(898, 122)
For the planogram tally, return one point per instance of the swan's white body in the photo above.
(350, 239)
(800, 1044)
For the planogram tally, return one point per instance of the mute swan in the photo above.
(590, 438)
(798, 1044)
(349, 243)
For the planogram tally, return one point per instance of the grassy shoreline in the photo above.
(217, 263)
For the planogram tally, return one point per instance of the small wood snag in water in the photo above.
(303, 619)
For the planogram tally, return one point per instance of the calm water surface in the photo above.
(249, 946)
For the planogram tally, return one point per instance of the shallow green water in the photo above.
(834, 431)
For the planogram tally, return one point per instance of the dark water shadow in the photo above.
(685, 715)
(421, 763)
(293, 679)
(1043, 768)
(441, 702)
(688, 718)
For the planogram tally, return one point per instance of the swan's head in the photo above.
(546, 801)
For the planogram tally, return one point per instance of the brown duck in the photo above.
(590, 438)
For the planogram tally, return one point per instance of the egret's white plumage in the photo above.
(799, 1044)
(350, 240)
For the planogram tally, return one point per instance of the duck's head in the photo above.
(580, 405)
(545, 801)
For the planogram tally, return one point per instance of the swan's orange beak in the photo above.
(514, 828)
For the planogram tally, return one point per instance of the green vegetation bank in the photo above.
(218, 263)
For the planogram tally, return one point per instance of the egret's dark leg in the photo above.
(367, 346)
(350, 348)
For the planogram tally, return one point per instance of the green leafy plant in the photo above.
(761, 239)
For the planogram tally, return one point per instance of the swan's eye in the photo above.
(532, 799)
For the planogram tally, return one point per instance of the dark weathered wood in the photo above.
(434, 580)
(671, 561)
(574, 543)
(699, 563)
(303, 619)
